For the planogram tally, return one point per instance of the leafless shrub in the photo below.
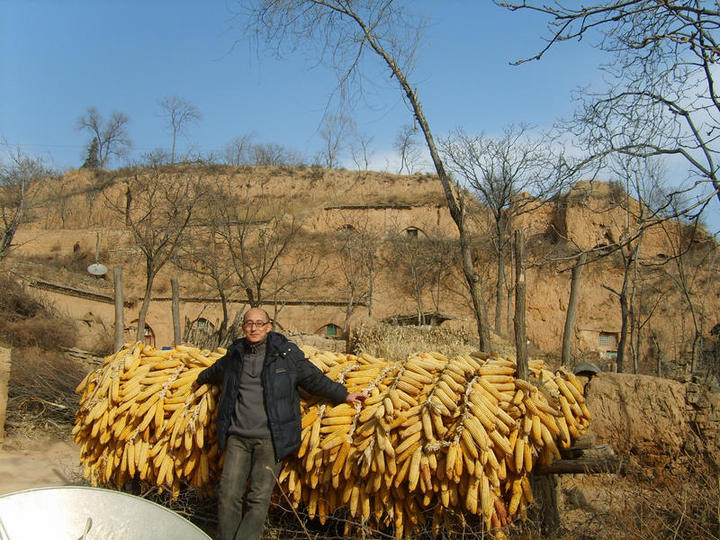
(41, 393)
(103, 344)
(26, 322)
(192, 504)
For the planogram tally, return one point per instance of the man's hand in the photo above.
(355, 397)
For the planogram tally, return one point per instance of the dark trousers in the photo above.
(247, 482)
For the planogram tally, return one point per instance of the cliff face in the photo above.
(592, 216)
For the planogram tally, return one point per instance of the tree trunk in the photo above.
(119, 312)
(510, 292)
(623, 326)
(371, 278)
(8, 232)
(658, 364)
(499, 292)
(144, 307)
(569, 329)
(4, 386)
(251, 297)
(520, 337)
(224, 323)
(545, 489)
(172, 154)
(128, 202)
(632, 307)
(177, 337)
(455, 204)
(697, 350)
(474, 282)
(348, 313)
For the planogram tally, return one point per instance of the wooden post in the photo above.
(176, 311)
(119, 304)
(520, 336)
(4, 385)
(545, 488)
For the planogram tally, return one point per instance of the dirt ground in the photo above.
(39, 461)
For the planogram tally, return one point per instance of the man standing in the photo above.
(259, 419)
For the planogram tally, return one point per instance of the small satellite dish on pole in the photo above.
(97, 269)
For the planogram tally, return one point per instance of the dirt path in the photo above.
(27, 463)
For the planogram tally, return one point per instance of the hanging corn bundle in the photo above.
(139, 416)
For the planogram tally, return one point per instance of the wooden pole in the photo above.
(520, 335)
(119, 303)
(176, 311)
(545, 488)
(4, 387)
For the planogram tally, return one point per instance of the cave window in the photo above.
(330, 330)
(412, 232)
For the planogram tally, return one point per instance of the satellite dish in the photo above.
(97, 269)
(101, 513)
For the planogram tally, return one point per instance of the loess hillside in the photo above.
(325, 279)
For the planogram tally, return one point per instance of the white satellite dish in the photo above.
(97, 269)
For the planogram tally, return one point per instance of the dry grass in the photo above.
(397, 342)
(642, 506)
(41, 393)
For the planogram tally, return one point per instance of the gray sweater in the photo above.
(249, 418)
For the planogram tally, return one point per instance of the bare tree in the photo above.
(661, 99)
(61, 193)
(204, 253)
(236, 151)
(163, 204)
(642, 179)
(99, 180)
(262, 237)
(342, 31)
(273, 154)
(18, 172)
(335, 131)
(690, 263)
(421, 263)
(111, 135)
(510, 175)
(178, 114)
(406, 144)
(355, 245)
(360, 149)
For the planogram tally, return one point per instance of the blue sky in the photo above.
(59, 57)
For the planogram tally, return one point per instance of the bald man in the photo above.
(258, 419)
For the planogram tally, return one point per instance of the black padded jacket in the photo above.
(285, 369)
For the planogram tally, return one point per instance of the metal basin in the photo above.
(86, 513)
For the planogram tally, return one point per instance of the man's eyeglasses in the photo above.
(254, 324)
